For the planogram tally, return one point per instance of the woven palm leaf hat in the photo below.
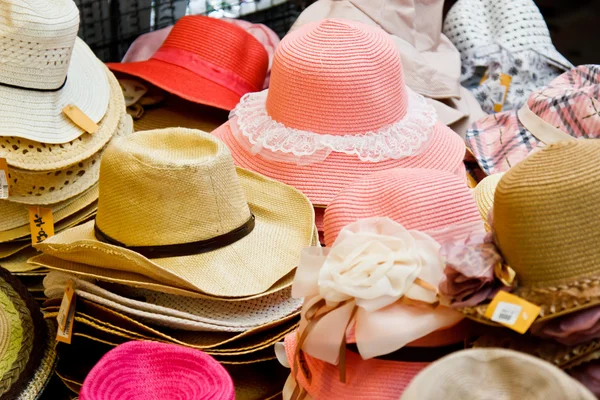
(226, 232)
(337, 108)
(25, 360)
(545, 226)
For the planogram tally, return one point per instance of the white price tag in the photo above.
(506, 313)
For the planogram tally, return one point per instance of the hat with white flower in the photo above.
(567, 109)
(337, 108)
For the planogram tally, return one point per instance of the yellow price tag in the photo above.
(79, 118)
(512, 311)
(41, 224)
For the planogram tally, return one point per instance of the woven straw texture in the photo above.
(493, 374)
(239, 57)
(418, 199)
(31, 155)
(216, 199)
(49, 187)
(44, 372)
(544, 227)
(179, 312)
(39, 50)
(365, 379)
(12, 248)
(347, 80)
(23, 336)
(156, 370)
(15, 215)
(141, 281)
(484, 196)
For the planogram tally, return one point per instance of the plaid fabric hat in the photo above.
(568, 108)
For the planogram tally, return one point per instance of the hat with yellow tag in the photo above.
(46, 68)
(544, 227)
(174, 208)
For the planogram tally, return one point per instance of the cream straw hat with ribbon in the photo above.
(44, 68)
(173, 207)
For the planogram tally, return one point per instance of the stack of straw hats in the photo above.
(207, 264)
(52, 162)
(545, 229)
(390, 309)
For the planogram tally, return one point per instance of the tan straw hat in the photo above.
(493, 374)
(484, 196)
(546, 228)
(33, 155)
(180, 312)
(44, 68)
(173, 207)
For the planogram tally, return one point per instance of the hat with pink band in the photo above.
(567, 109)
(337, 108)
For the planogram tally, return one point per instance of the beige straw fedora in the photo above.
(49, 187)
(218, 230)
(35, 156)
(180, 312)
(493, 374)
(44, 68)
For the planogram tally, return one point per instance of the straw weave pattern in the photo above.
(337, 77)
(545, 212)
(36, 42)
(419, 199)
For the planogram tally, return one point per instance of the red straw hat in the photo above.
(337, 108)
(206, 61)
(150, 370)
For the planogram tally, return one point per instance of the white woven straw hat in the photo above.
(44, 68)
(180, 312)
(35, 156)
(173, 207)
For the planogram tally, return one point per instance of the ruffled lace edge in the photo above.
(404, 138)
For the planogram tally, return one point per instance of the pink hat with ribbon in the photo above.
(567, 109)
(151, 370)
(376, 285)
(337, 108)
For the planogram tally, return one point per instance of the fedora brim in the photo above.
(484, 196)
(38, 116)
(181, 82)
(500, 141)
(284, 225)
(321, 181)
(34, 156)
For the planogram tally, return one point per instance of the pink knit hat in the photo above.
(567, 109)
(418, 199)
(150, 370)
(337, 108)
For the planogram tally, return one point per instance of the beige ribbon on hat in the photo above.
(542, 130)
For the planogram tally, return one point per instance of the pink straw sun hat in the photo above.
(150, 370)
(337, 108)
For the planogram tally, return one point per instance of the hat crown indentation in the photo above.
(169, 186)
(36, 42)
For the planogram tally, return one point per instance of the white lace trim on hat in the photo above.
(254, 129)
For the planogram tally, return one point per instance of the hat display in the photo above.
(23, 338)
(161, 370)
(544, 230)
(199, 71)
(321, 125)
(493, 374)
(506, 50)
(45, 67)
(568, 108)
(222, 216)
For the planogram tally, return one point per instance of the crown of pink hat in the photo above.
(314, 78)
(151, 370)
(419, 199)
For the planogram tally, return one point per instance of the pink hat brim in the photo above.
(321, 181)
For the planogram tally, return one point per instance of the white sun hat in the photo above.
(45, 67)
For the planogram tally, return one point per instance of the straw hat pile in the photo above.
(215, 273)
(52, 162)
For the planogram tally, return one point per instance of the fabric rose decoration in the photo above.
(378, 275)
